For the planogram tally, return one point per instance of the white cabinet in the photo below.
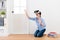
(4, 23)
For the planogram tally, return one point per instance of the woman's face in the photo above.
(38, 15)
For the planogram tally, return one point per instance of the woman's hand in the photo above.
(40, 21)
(26, 13)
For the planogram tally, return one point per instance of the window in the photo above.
(19, 6)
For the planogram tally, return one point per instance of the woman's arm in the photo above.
(28, 16)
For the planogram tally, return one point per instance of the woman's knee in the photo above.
(35, 35)
(39, 35)
(36, 32)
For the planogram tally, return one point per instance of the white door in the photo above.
(19, 20)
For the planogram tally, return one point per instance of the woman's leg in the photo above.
(40, 34)
(36, 32)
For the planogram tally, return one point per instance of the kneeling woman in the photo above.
(40, 23)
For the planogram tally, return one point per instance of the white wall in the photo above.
(19, 24)
(50, 12)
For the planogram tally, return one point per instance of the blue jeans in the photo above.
(39, 33)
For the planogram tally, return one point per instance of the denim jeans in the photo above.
(39, 33)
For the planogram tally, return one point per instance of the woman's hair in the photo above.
(37, 11)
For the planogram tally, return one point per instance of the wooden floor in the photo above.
(27, 37)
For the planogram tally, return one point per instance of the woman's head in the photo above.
(38, 13)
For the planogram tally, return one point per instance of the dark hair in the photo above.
(37, 11)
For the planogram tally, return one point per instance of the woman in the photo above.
(40, 23)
